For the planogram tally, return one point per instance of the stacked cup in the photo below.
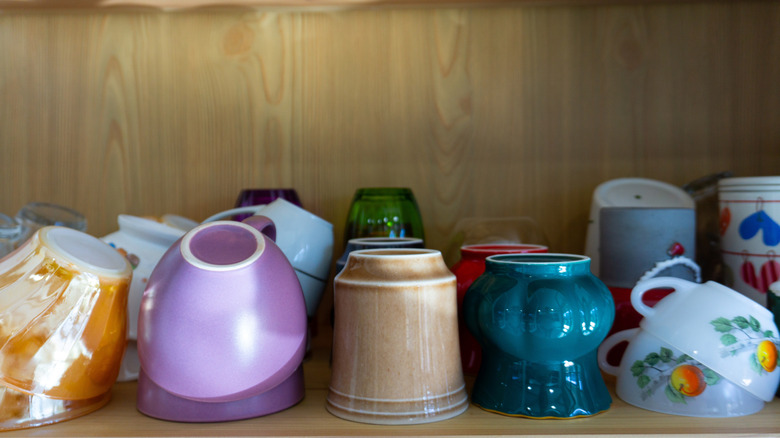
(704, 350)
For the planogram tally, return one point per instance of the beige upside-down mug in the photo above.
(396, 356)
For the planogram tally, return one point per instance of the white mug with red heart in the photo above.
(750, 233)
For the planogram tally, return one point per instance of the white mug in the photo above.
(721, 328)
(750, 234)
(304, 238)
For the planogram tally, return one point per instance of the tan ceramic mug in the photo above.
(396, 357)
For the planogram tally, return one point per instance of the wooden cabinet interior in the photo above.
(513, 110)
(508, 110)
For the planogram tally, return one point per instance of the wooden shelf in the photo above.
(181, 5)
(310, 418)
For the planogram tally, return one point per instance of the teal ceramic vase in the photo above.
(383, 212)
(539, 319)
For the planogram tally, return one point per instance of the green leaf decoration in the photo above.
(683, 358)
(653, 358)
(722, 325)
(643, 381)
(674, 395)
(710, 377)
(741, 322)
(769, 334)
(728, 339)
(638, 368)
(755, 364)
(666, 355)
(755, 325)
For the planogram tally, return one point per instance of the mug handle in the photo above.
(678, 284)
(608, 345)
(254, 209)
(263, 224)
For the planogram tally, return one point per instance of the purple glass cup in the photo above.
(250, 197)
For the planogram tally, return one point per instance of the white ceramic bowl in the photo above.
(654, 375)
(721, 328)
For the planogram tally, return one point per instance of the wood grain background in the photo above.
(492, 112)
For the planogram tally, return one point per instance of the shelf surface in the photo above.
(310, 418)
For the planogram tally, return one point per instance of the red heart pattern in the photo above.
(770, 273)
(747, 272)
(725, 220)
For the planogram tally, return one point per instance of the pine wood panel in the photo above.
(510, 111)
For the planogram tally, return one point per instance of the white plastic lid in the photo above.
(642, 192)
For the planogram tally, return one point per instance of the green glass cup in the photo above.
(383, 212)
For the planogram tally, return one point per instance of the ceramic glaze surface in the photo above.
(304, 238)
(655, 376)
(142, 242)
(728, 332)
(470, 266)
(773, 299)
(225, 245)
(539, 319)
(395, 346)
(221, 332)
(359, 243)
(749, 213)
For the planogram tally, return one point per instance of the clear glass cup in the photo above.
(10, 233)
(36, 215)
(493, 230)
